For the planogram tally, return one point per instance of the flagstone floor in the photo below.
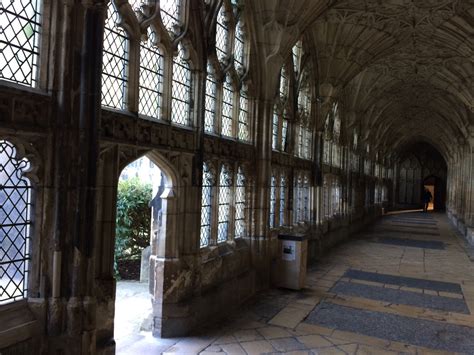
(406, 285)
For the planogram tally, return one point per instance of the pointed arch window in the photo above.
(297, 52)
(150, 77)
(115, 62)
(206, 206)
(15, 223)
(19, 41)
(210, 104)
(181, 90)
(227, 108)
(170, 14)
(223, 216)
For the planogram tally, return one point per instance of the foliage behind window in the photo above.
(133, 218)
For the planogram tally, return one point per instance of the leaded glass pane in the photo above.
(210, 104)
(227, 107)
(282, 199)
(181, 91)
(239, 49)
(114, 62)
(240, 227)
(19, 41)
(223, 205)
(244, 116)
(15, 224)
(283, 83)
(273, 196)
(275, 131)
(151, 78)
(296, 52)
(284, 133)
(222, 35)
(170, 14)
(206, 206)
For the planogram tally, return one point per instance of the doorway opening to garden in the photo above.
(139, 217)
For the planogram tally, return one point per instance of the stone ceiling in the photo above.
(405, 67)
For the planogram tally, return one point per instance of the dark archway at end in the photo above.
(420, 165)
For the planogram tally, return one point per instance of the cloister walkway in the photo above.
(406, 285)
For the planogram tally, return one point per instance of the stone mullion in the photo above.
(133, 74)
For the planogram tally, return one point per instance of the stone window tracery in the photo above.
(223, 204)
(233, 120)
(302, 200)
(278, 199)
(15, 223)
(19, 41)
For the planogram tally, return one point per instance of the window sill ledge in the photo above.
(17, 324)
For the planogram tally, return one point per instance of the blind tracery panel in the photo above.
(15, 224)
(19, 41)
(181, 90)
(151, 78)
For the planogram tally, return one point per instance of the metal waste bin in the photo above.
(291, 265)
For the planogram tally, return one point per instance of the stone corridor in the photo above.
(404, 286)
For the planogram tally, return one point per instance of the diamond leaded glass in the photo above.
(239, 217)
(282, 199)
(275, 130)
(170, 14)
(223, 212)
(181, 90)
(284, 133)
(210, 104)
(151, 78)
(239, 49)
(244, 116)
(206, 206)
(15, 224)
(114, 62)
(19, 41)
(273, 196)
(222, 35)
(227, 107)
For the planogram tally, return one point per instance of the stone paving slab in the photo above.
(411, 221)
(401, 297)
(404, 281)
(411, 231)
(431, 334)
(414, 243)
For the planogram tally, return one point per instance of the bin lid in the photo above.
(299, 237)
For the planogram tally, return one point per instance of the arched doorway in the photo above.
(144, 200)
(437, 187)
